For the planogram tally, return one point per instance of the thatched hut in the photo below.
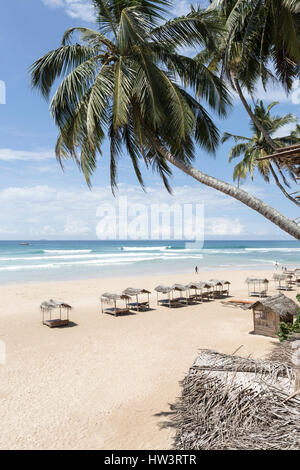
(257, 287)
(165, 291)
(181, 291)
(134, 292)
(109, 304)
(269, 312)
(199, 293)
(235, 403)
(63, 310)
(283, 281)
(220, 287)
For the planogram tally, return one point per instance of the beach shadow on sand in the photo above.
(168, 415)
(71, 324)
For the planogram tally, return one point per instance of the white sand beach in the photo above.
(106, 382)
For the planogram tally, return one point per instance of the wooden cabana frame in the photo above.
(225, 287)
(48, 307)
(200, 286)
(283, 281)
(112, 299)
(183, 298)
(165, 290)
(197, 287)
(135, 292)
(220, 287)
(257, 287)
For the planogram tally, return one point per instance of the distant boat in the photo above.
(24, 243)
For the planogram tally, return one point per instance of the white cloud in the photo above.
(285, 130)
(182, 7)
(81, 9)
(223, 226)
(12, 155)
(273, 92)
(44, 211)
(75, 226)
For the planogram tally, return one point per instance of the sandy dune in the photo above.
(107, 382)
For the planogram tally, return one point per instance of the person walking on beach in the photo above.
(276, 265)
(196, 269)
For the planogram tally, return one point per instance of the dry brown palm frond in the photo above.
(229, 402)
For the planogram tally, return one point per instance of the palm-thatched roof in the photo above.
(236, 403)
(51, 304)
(279, 304)
(163, 289)
(179, 287)
(259, 280)
(282, 352)
(214, 282)
(198, 285)
(131, 291)
(287, 158)
(114, 297)
(281, 276)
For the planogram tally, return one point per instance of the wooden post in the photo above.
(296, 363)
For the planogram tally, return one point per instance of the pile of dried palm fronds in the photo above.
(229, 402)
(282, 352)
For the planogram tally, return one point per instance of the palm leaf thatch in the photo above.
(230, 402)
(51, 304)
(283, 352)
(163, 289)
(131, 291)
(287, 158)
(279, 304)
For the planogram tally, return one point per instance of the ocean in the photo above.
(58, 260)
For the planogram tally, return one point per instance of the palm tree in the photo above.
(255, 147)
(258, 34)
(128, 81)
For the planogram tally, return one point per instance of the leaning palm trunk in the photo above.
(253, 202)
(248, 109)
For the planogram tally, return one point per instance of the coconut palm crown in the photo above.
(128, 82)
(253, 148)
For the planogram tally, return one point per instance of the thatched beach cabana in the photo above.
(199, 293)
(55, 305)
(269, 312)
(220, 287)
(164, 290)
(134, 292)
(183, 290)
(235, 403)
(111, 299)
(257, 287)
(283, 281)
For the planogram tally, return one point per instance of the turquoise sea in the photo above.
(51, 260)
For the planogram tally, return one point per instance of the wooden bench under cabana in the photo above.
(165, 290)
(208, 293)
(283, 281)
(47, 309)
(112, 299)
(197, 287)
(134, 292)
(269, 312)
(225, 287)
(257, 287)
(220, 288)
(183, 290)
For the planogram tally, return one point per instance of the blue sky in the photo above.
(38, 200)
